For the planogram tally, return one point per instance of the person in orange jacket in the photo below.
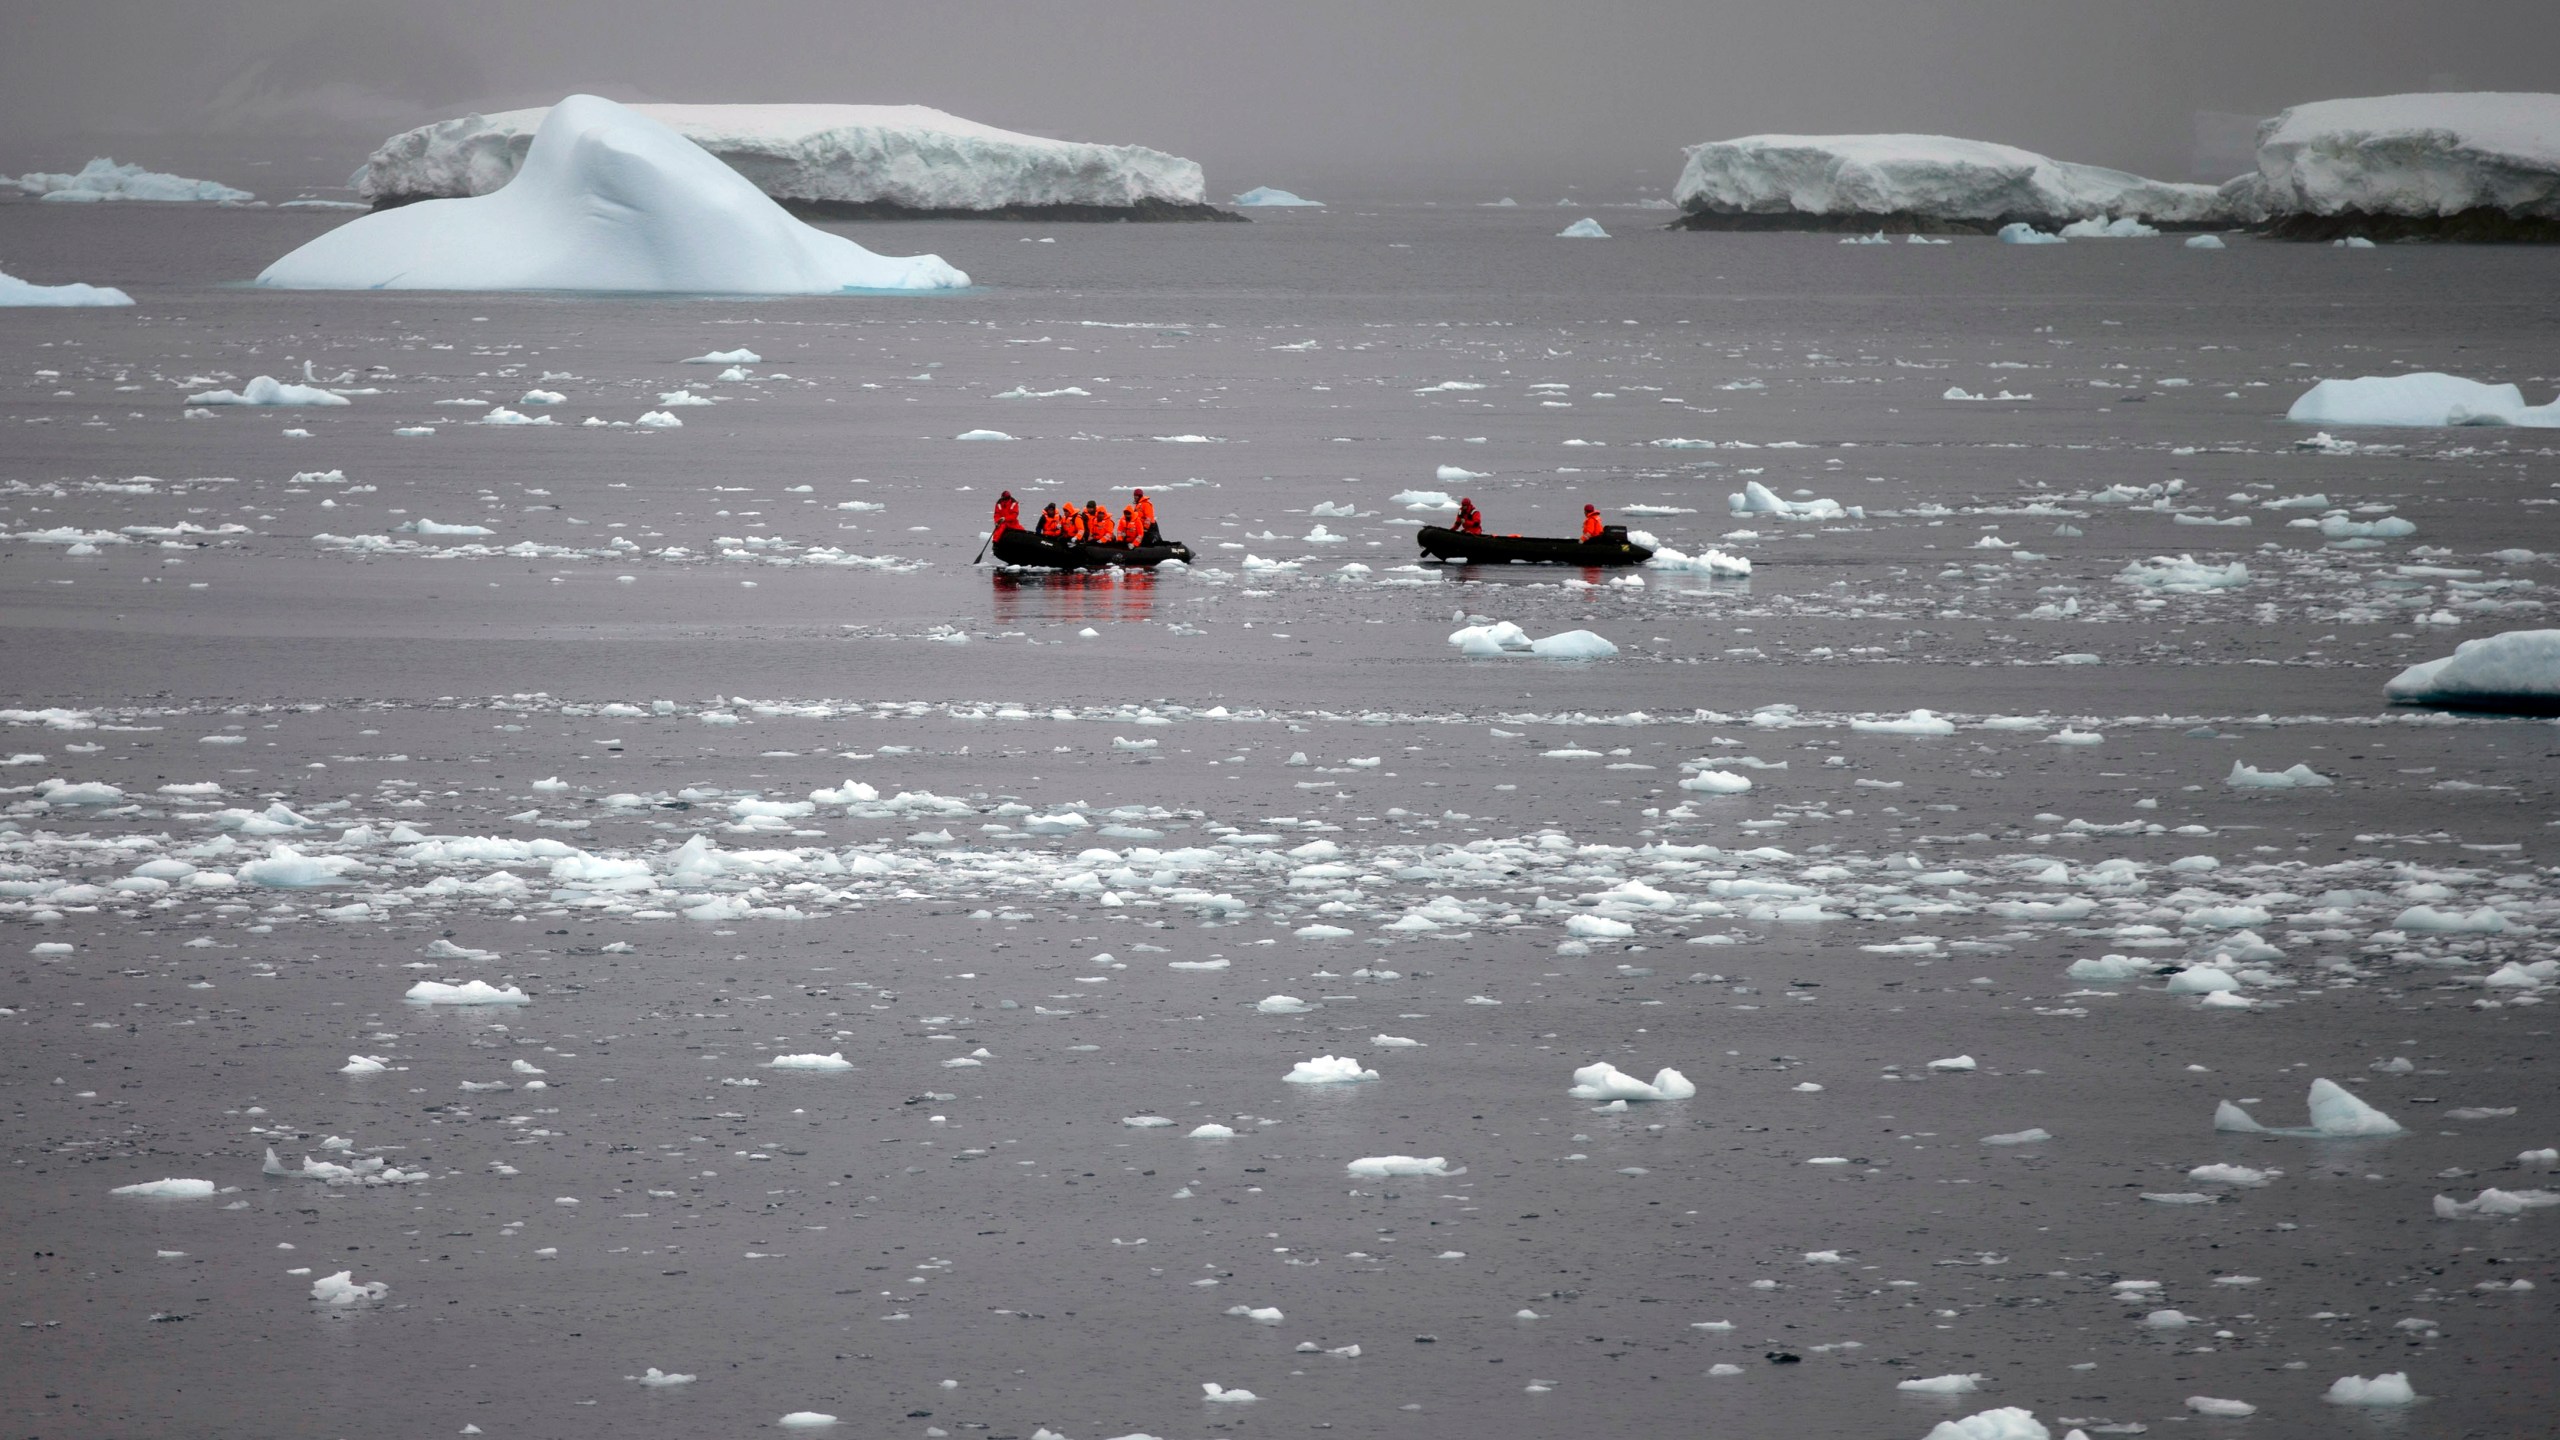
(1050, 524)
(1146, 509)
(1469, 521)
(1008, 514)
(1070, 523)
(1131, 532)
(1098, 526)
(1592, 525)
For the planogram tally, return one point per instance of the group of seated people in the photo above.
(1470, 520)
(1091, 525)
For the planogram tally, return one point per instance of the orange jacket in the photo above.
(1146, 509)
(1008, 515)
(1098, 526)
(1591, 524)
(1049, 522)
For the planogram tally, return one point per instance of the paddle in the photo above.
(982, 549)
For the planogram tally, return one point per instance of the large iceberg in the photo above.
(2517, 670)
(2421, 397)
(104, 179)
(606, 199)
(834, 159)
(2481, 165)
(1919, 182)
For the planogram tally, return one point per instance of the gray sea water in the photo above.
(584, 746)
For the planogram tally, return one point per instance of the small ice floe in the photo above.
(2068, 736)
(342, 1290)
(1757, 499)
(2009, 1422)
(657, 1376)
(1212, 1132)
(2381, 1390)
(1585, 228)
(364, 1065)
(1715, 782)
(268, 391)
(2123, 227)
(1953, 1063)
(17, 293)
(2221, 1409)
(740, 356)
(1263, 1315)
(2335, 1113)
(812, 1061)
(469, 992)
(541, 397)
(1272, 196)
(1282, 1005)
(2205, 242)
(1395, 1042)
(806, 1420)
(501, 415)
(2513, 670)
(2019, 1137)
(2019, 232)
(1942, 1385)
(2426, 398)
(2299, 777)
(2237, 1176)
(1381, 1167)
(2167, 1320)
(167, 1189)
(1216, 1394)
(2183, 575)
(1958, 392)
(1918, 722)
(2495, 1203)
(1711, 562)
(658, 420)
(1328, 1070)
(286, 868)
(1604, 1081)
(1145, 1122)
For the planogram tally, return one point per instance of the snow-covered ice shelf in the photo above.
(1930, 182)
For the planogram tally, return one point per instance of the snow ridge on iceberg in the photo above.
(1921, 181)
(834, 158)
(607, 199)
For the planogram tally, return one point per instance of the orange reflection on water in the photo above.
(1074, 596)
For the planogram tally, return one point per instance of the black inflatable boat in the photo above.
(1611, 548)
(1051, 552)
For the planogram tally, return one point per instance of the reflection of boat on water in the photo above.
(1611, 548)
(1072, 597)
(1051, 552)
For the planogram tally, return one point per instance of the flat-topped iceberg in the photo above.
(1269, 195)
(607, 199)
(886, 159)
(2518, 670)
(1921, 182)
(15, 292)
(2478, 165)
(2422, 398)
(104, 179)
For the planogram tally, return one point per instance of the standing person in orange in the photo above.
(1008, 514)
(1592, 525)
(1146, 509)
(1469, 521)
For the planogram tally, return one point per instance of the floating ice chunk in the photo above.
(851, 792)
(102, 179)
(25, 294)
(605, 199)
(1918, 722)
(2514, 670)
(2390, 1389)
(286, 868)
(982, 435)
(2167, 1320)
(1942, 1385)
(2203, 980)
(1212, 1132)
(1282, 1005)
(1262, 1315)
(2019, 232)
(437, 527)
(2298, 777)
(2094, 228)
(1758, 499)
(739, 356)
(1320, 932)
(2427, 919)
(1500, 638)
(168, 1189)
(2009, 1422)
(363, 1065)
(1217, 1394)
(1953, 1063)
(1572, 645)
(1604, 1081)
(1711, 562)
(657, 1376)
(469, 992)
(1381, 1167)
(2495, 1202)
(1328, 1070)
(342, 1290)
(541, 397)
(2240, 1176)
(2205, 242)
(2019, 1137)
(812, 1061)
(2223, 1409)
(1265, 195)
(2335, 1113)
(1145, 1122)
(266, 390)
(2109, 969)
(1716, 782)
(805, 1420)
(2183, 575)
(1395, 1042)
(1585, 228)
(2423, 398)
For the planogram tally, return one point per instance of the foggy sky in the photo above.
(1388, 95)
